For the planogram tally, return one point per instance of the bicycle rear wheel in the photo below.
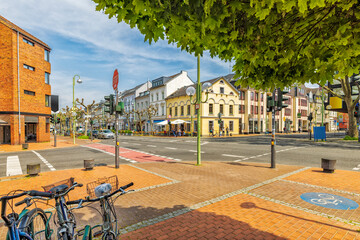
(34, 223)
(109, 236)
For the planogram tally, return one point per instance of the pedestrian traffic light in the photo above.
(58, 120)
(310, 117)
(282, 98)
(52, 118)
(356, 112)
(270, 104)
(109, 104)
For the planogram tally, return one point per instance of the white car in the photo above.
(106, 134)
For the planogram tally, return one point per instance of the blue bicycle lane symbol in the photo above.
(329, 201)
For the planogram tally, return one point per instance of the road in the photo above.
(292, 149)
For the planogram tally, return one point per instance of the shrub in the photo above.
(347, 137)
(83, 137)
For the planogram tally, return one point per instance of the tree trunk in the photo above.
(350, 105)
(353, 132)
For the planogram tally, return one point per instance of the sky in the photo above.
(88, 43)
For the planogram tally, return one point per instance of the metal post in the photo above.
(273, 142)
(116, 132)
(198, 100)
(73, 112)
(55, 119)
(322, 107)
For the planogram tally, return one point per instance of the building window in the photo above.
(303, 102)
(188, 109)
(170, 111)
(221, 108)
(231, 93)
(256, 96)
(188, 127)
(47, 101)
(252, 109)
(146, 103)
(262, 110)
(28, 42)
(182, 110)
(252, 96)
(231, 109)
(29, 67)
(241, 108)
(211, 107)
(242, 95)
(222, 90)
(231, 126)
(47, 55)
(138, 106)
(175, 111)
(152, 97)
(221, 82)
(287, 112)
(47, 78)
(29, 92)
(163, 95)
(157, 97)
(196, 110)
(256, 109)
(162, 110)
(262, 97)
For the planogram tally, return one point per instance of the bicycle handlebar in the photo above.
(121, 189)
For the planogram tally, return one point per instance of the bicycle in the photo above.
(23, 226)
(109, 226)
(65, 219)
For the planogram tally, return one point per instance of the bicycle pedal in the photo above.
(97, 234)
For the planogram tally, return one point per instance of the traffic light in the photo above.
(310, 117)
(120, 108)
(281, 99)
(270, 104)
(109, 104)
(52, 118)
(356, 112)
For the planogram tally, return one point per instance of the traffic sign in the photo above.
(197, 106)
(115, 79)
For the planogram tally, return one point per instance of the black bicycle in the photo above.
(109, 227)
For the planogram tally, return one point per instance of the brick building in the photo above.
(24, 86)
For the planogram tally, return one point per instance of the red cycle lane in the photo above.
(130, 154)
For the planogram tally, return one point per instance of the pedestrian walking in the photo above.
(227, 131)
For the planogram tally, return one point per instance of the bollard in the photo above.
(328, 165)
(25, 145)
(33, 169)
(89, 164)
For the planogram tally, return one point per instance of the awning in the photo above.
(4, 120)
(178, 121)
(157, 121)
(30, 119)
(163, 122)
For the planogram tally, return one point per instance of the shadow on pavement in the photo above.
(191, 225)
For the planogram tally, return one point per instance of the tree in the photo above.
(88, 111)
(150, 112)
(140, 115)
(274, 43)
(127, 115)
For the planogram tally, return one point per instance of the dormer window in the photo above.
(231, 93)
(221, 82)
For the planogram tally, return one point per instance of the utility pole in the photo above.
(273, 142)
(116, 130)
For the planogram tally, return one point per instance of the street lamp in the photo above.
(191, 91)
(73, 108)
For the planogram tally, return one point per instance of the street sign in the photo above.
(299, 115)
(169, 116)
(197, 106)
(115, 79)
(329, 200)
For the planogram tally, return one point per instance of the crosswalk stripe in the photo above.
(13, 166)
(44, 161)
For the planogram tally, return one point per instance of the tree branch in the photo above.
(332, 92)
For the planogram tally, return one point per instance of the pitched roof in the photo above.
(165, 79)
(22, 31)
(132, 90)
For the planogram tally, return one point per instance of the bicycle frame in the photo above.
(107, 209)
(62, 214)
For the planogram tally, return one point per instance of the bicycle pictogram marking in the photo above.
(329, 201)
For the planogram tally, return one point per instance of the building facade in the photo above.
(25, 89)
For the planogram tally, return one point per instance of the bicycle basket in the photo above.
(113, 181)
(69, 182)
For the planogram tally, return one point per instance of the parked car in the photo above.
(95, 133)
(106, 134)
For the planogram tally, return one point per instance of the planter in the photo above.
(33, 169)
(89, 164)
(25, 145)
(328, 165)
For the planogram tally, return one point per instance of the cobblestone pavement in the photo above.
(218, 200)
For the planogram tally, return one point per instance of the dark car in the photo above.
(95, 133)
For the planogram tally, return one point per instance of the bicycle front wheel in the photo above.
(34, 224)
(109, 236)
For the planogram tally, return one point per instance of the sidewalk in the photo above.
(61, 142)
(221, 200)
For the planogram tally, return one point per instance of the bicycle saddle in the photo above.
(59, 189)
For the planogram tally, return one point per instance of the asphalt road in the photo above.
(294, 149)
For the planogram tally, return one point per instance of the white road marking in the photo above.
(171, 148)
(124, 142)
(283, 150)
(151, 145)
(136, 144)
(13, 166)
(356, 168)
(229, 155)
(204, 143)
(44, 161)
(194, 151)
